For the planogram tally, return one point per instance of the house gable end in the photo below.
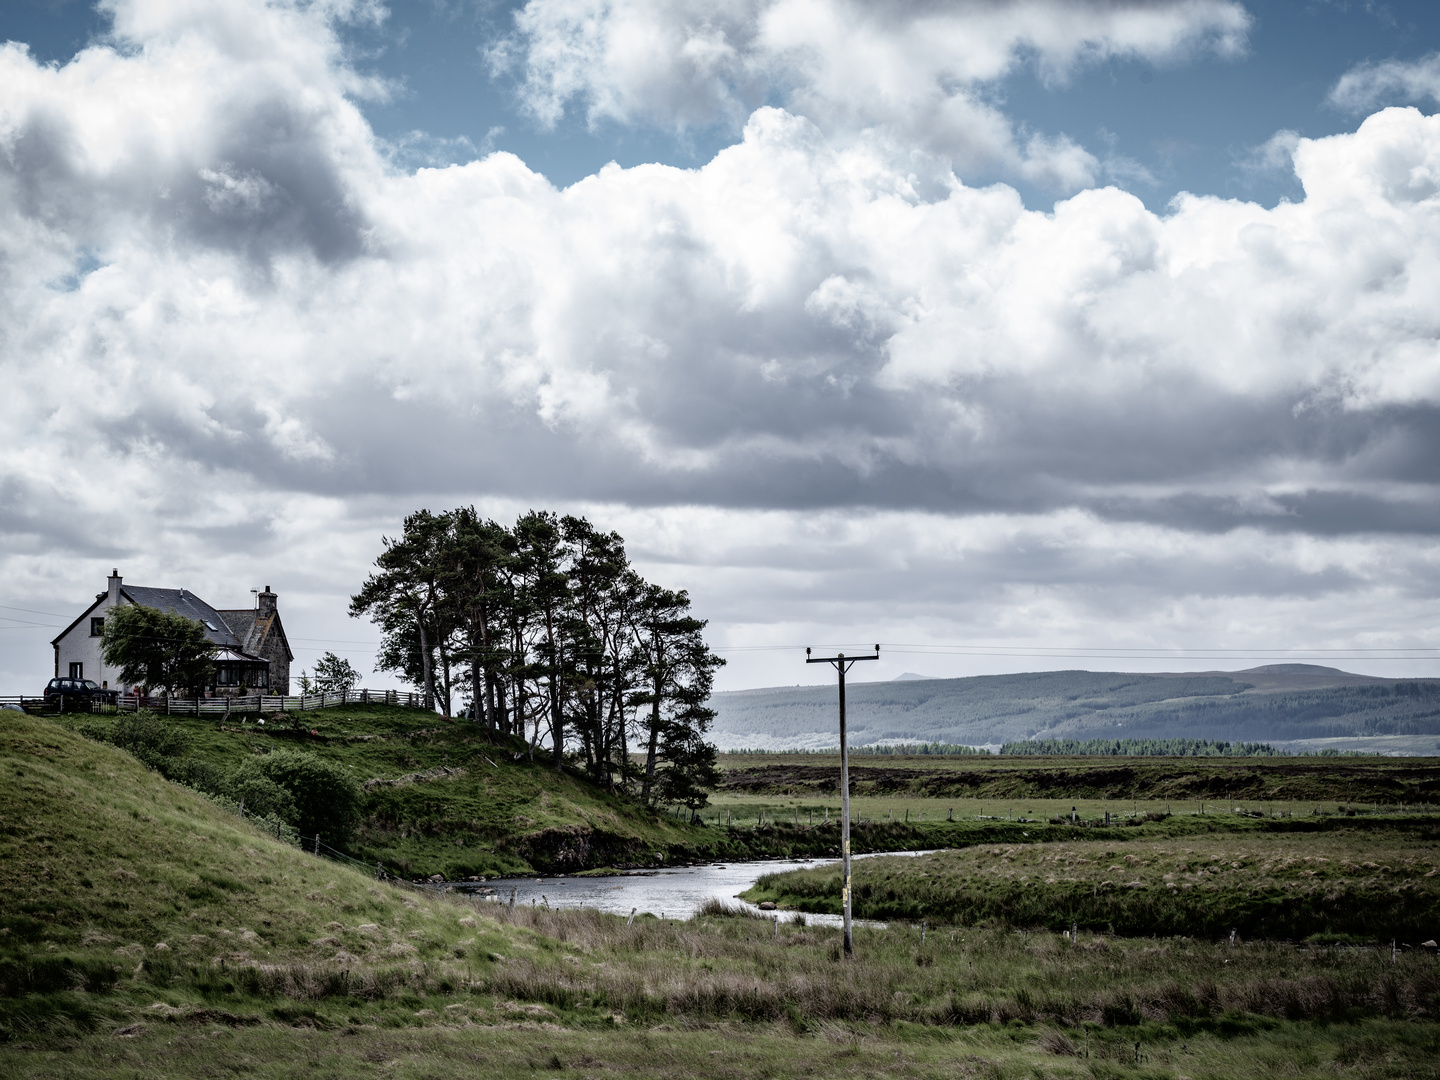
(278, 629)
(264, 636)
(83, 616)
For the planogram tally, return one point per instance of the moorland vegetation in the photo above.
(144, 929)
(1358, 879)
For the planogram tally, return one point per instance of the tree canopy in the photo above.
(548, 634)
(332, 674)
(158, 649)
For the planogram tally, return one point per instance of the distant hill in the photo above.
(1274, 702)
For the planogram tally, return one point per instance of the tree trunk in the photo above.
(592, 734)
(658, 682)
(657, 686)
(444, 680)
(485, 700)
(426, 667)
(650, 753)
(557, 716)
(477, 690)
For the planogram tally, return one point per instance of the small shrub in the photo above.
(326, 800)
(260, 795)
(154, 741)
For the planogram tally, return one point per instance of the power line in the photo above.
(32, 611)
(1141, 653)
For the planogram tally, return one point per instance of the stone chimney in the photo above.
(115, 579)
(266, 602)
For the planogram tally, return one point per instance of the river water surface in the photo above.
(672, 893)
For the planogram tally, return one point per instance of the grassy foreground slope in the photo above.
(278, 964)
(111, 870)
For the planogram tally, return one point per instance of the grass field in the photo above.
(1367, 880)
(1408, 782)
(147, 933)
(804, 789)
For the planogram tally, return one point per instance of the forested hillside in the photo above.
(1274, 703)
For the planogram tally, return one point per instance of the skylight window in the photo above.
(212, 626)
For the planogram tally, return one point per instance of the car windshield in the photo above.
(90, 685)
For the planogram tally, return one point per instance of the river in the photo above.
(673, 893)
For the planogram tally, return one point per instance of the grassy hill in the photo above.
(444, 798)
(1279, 702)
(116, 877)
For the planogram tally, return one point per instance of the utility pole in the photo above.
(843, 664)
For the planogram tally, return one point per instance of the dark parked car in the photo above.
(71, 694)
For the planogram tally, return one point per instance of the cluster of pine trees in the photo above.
(549, 635)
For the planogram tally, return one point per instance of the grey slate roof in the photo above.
(181, 602)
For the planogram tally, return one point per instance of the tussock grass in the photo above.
(463, 1045)
(723, 968)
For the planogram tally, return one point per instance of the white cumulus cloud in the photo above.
(238, 340)
(912, 76)
(1388, 82)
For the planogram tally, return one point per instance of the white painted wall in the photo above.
(79, 646)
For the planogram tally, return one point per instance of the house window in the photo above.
(97, 627)
(77, 669)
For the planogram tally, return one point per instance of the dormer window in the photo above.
(97, 626)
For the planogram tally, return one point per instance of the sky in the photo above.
(1010, 335)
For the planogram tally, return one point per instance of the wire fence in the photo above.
(315, 845)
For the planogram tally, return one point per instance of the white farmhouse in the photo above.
(252, 651)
